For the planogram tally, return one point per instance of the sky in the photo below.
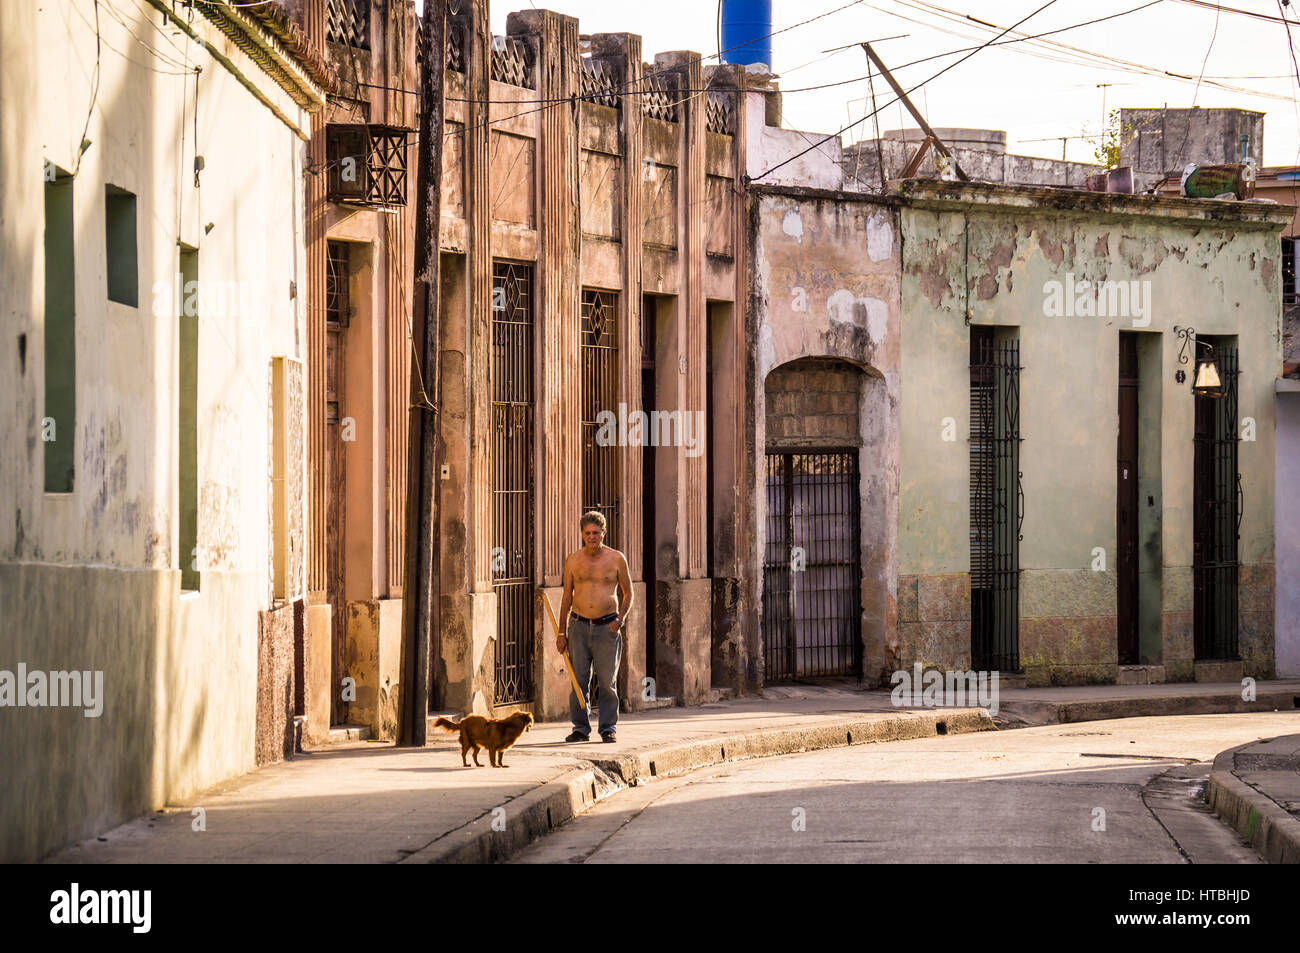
(1031, 97)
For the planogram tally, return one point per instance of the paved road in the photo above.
(1121, 791)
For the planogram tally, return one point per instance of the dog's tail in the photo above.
(446, 724)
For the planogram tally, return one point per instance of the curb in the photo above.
(1060, 713)
(558, 801)
(1273, 832)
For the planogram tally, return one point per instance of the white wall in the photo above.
(90, 579)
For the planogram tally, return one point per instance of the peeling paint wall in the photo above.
(825, 284)
(988, 256)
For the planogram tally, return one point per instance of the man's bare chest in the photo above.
(595, 572)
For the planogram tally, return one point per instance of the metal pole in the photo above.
(916, 113)
(421, 585)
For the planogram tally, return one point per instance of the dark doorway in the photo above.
(649, 341)
(1216, 518)
(338, 314)
(1126, 501)
(812, 572)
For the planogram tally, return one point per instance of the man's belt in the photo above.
(603, 620)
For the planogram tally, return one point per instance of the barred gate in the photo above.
(812, 573)
(1216, 519)
(512, 480)
(996, 501)
(600, 393)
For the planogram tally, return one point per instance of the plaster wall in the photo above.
(93, 576)
(985, 262)
(818, 167)
(826, 284)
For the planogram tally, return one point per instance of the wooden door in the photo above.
(1126, 503)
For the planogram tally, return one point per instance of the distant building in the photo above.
(1158, 143)
(981, 153)
(1004, 372)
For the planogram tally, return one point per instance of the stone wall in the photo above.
(275, 683)
(812, 403)
(934, 621)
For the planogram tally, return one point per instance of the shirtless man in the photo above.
(591, 615)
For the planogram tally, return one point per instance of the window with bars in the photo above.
(338, 303)
(366, 164)
(512, 480)
(600, 403)
(996, 499)
(1289, 295)
(1217, 503)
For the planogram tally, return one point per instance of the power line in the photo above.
(1245, 13)
(1075, 56)
(94, 96)
(836, 135)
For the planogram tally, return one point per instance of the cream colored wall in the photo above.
(95, 574)
(1213, 266)
(1220, 278)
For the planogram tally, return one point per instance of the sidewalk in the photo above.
(369, 802)
(1256, 789)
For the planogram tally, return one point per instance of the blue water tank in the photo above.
(746, 31)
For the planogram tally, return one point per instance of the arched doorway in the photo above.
(812, 553)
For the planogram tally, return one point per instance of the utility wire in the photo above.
(836, 135)
(94, 96)
(1076, 55)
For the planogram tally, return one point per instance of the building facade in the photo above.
(1032, 318)
(152, 448)
(1003, 374)
(592, 271)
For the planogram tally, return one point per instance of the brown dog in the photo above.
(495, 734)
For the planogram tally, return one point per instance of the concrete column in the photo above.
(733, 575)
(462, 648)
(558, 420)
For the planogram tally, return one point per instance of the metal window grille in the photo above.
(512, 480)
(600, 393)
(1216, 518)
(348, 21)
(338, 305)
(996, 501)
(366, 164)
(509, 62)
(812, 576)
(1289, 290)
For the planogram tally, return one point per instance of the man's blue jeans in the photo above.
(594, 645)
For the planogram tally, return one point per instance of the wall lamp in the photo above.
(1206, 381)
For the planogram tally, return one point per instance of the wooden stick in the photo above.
(550, 613)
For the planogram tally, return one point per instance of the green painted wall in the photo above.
(988, 254)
